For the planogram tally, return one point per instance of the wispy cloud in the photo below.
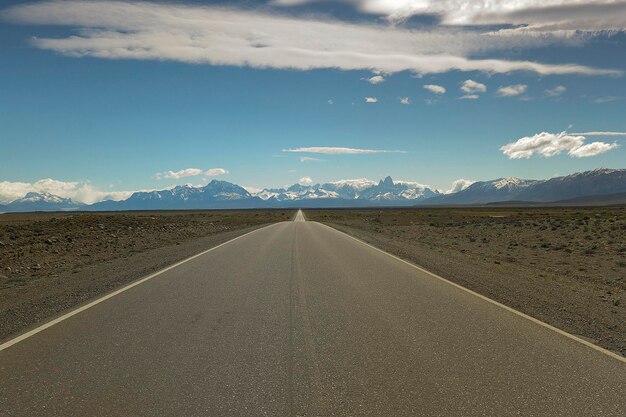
(469, 97)
(405, 100)
(305, 180)
(190, 172)
(606, 99)
(551, 144)
(371, 100)
(435, 89)
(309, 159)
(512, 90)
(335, 150)
(601, 133)
(533, 15)
(557, 91)
(227, 36)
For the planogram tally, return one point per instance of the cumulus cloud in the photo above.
(556, 91)
(190, 172)
(81, 191)
(305, 181)
(435, 89)
(551, 144)
(459, 185)
(405, 100)
(226, 36)
(473, 87)
(376, 79)
(371, 100)
(335, 150)
(512, 90)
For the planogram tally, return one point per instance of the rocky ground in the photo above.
(50, 262)
(566, 267)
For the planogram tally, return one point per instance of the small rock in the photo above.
(36, 267)
(2, 244)
(100, 226)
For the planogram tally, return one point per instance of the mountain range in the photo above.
(349, 193)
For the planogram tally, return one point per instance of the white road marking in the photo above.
(299, 217)
(114, 293)
(512, 310)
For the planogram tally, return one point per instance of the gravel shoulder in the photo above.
(53, 262)
(564, 267)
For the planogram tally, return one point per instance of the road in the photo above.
(299, 319)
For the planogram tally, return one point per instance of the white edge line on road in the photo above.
(510, 309)
(65, 316)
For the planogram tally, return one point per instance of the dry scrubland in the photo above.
(50, 262)
(566, 267)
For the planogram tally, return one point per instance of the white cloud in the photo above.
(556, 91)
(215, 172)
(226, 36)
(469, 97)
(606, 99)
(459, 185)
(551, 144)
(601, 133)
(435, 89)
(81, 191)
(331, 101)
(512, 90)
(405, 100)
(592, 149)
(183, 173)
(305, 180)
(334, 150)
(190, 172)
(533, 15)
(473, 87)
(309, 159)
(376, 79)
(371, 100)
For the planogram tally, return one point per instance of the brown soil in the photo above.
(50, 262)
(566, 267)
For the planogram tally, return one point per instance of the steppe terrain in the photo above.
(50, 262)
(566, 267)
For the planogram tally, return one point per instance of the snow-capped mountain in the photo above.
(597, 182)
(41, 202)
(347, 193)
(350, 192)
(216, 194)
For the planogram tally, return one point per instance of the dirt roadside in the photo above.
(51, 262)
(566, 267)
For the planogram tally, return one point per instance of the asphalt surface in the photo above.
(299, 319)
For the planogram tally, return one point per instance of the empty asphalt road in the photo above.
(299, 319)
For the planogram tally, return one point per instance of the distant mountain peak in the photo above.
(387, 182)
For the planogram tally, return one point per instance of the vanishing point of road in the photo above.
(298, 319)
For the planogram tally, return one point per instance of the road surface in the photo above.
(299, 319)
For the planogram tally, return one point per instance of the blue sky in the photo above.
(101, 101)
